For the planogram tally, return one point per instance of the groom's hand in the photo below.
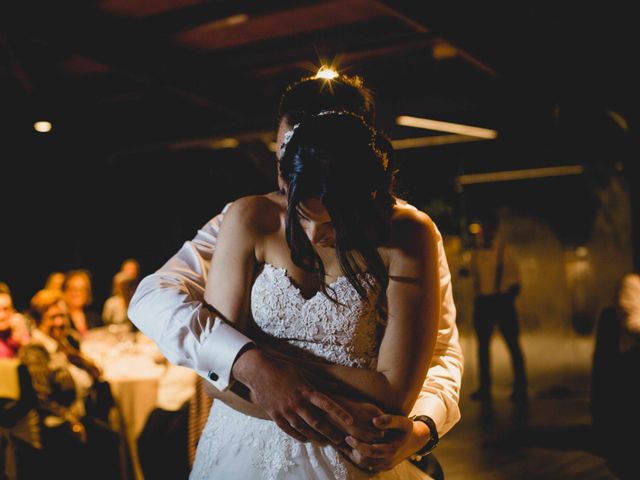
(289, 399)
(403, 438)
(363, 413)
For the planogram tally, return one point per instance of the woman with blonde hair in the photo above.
(77, 294)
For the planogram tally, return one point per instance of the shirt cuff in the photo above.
(218, 352)
(433, 407)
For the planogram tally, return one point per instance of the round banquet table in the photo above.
(140, 377)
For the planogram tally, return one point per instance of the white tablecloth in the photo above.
(140, 377)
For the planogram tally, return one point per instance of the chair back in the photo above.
(19, 420)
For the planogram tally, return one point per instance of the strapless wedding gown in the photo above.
(236, 446)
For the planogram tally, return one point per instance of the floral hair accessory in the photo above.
(289, 135)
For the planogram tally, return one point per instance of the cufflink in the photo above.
(213, 376)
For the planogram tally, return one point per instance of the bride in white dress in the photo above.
(336, 275)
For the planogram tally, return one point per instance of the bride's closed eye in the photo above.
(304, 219)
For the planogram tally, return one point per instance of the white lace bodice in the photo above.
(236, 446)
(343, 334)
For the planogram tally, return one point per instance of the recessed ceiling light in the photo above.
(42, 126)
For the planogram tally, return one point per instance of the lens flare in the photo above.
(327, 73)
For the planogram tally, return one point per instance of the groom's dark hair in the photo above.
(312, 95)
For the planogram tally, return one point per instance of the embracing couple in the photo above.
(327, 316)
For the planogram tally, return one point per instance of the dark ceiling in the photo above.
(135, 73)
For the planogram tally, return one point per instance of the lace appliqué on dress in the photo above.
(343, 334)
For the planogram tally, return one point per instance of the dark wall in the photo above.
(72, 204)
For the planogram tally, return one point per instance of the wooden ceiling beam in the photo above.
(282, 24)
(121, 45)
(445, 23)
(14, 66)
(187, 18)
(352, 54)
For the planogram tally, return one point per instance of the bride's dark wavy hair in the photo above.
(334, 157)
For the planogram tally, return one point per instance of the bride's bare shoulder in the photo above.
(260, 214)
(411, 228)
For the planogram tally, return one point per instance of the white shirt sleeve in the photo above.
(440, 392)
(168, 307)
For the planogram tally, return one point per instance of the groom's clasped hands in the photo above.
(359, 430)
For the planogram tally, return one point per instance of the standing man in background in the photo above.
(496, 282)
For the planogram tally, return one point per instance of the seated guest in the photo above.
(13, 327)
(77, 295)
(54, 281)
(116, 306)
(61, 375)
(76, 444)
(131, 267)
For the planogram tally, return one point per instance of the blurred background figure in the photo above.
(629, 307)
(615, 389)
(116, 306)
(66, 383)
(131, 267)
(13, 327)
(78, 297)
(50, 315)
(496, 284)
(54, 281)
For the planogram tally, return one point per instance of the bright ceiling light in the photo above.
(582, 252)
(236, 20)
(431, 141)
(448, 127)
(475, 228)
(213, 143)
(526, 174)
(42, 127)
(327, 73)
(225, 143)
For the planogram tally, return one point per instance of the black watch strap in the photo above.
(433, 441)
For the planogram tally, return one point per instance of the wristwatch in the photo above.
(433, 441)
